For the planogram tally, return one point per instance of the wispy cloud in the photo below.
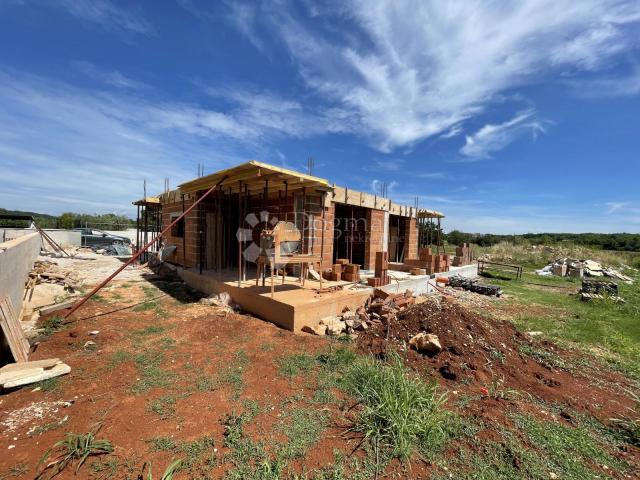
(389, 164)
(440, 175)
(105, 14)
(97, 145)
(624, 85)
(112, 78)
(492, 138)
(404, 71)
(613, 207)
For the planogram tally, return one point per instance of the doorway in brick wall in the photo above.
(397, 229)
(349, 233)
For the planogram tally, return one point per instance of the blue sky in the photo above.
(509, 117)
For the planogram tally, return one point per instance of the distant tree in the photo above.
(66, 220)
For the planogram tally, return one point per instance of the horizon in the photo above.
(510, 119)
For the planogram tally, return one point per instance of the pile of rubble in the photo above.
(570, 267)
(380, 309)
(45, 271)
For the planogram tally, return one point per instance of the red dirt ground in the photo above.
(199, 342)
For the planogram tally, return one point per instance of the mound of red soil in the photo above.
(486, 357)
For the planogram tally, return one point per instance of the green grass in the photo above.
(303, 427)
(609, 327)
(52, 325)
(50, 384)
(570, 452)
(75, 448)
(292, 365)
(165, 405)
(17, 470)
(399, 410)
(145, 307)
(150, 372)
(150, 330)
(118, 358)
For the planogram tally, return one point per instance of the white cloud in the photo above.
(93, 147)
(403, 71)
(492, 138)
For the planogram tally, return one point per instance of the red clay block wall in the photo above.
(375, 232)
(186, 253)
(411, 238)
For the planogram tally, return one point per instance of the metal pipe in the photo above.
(139, 252)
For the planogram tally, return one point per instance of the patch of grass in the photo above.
(151, 374)
(52, 325)
(50, 384)
(232, 375)
(99, 298)
(74, 448)
(118, 358)
(544, 357)
(267, 347)
(150, 330)
(609, 328)
(165, 406)
(399, 410)
(17, 470)
(173, 467)
(292, 365)
(108, 467)
(303, 427)
(145, 307)
(162, 444)
(569, 452)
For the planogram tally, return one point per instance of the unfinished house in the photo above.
(289, 247)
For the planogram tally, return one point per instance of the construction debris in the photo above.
(473, 285)
(45, 271)
(599, 290)
(571, 267)
(382, 307)
(18, 374)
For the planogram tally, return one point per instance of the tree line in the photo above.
(70, 220)
(629, 242)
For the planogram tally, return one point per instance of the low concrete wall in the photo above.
(16, 261)
(65, 238)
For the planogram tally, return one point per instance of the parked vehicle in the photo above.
(95, 238)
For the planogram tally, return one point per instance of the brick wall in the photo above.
(374, 237)
(410, 238)
(186, 253)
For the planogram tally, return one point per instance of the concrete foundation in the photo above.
(16, 261)
(65, 238)
(291, 307)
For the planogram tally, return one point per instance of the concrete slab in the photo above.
(292, 306)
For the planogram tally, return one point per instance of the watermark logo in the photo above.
(262, 221)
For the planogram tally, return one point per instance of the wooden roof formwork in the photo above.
(255, 177)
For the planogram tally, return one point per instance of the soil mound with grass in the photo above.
(492, 359)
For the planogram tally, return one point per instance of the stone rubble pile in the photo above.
(381, 308)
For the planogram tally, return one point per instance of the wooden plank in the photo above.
(12, 330)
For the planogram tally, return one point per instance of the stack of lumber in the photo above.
(18, 374)
(464, 255)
